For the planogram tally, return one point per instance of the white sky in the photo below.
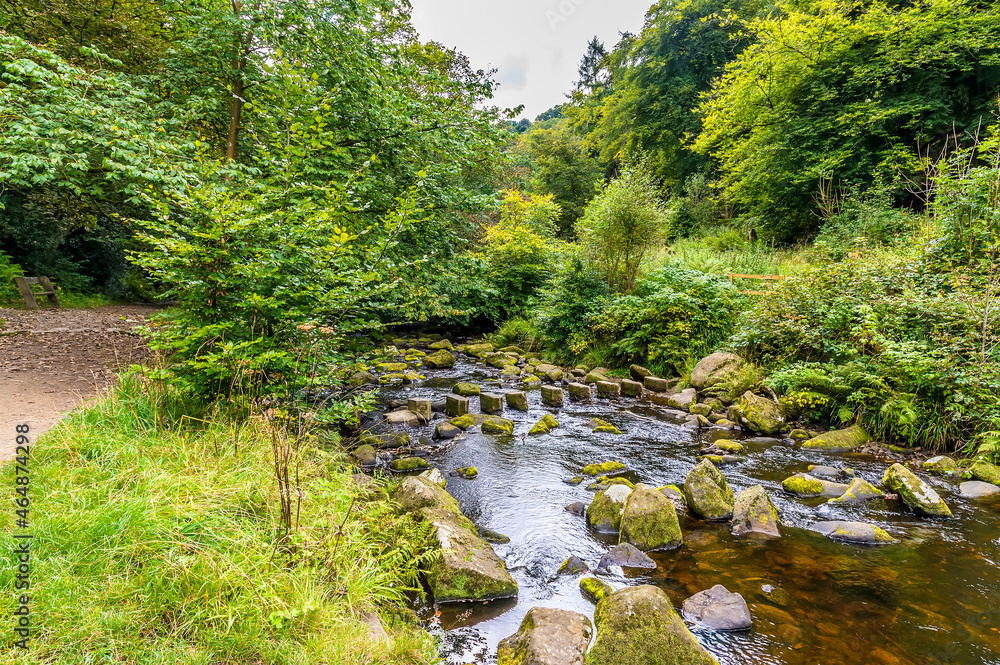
(535, 44)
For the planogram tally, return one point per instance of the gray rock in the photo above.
(655, 384)
(917, 494)
(579, 392)
(468, 568)
(608, 389)
(631, 388)
(363, 379)
(491, 403)
(977, 489)
(826, 472)
(517, 400)
(421, 407)
(860, 491)
(714, 369)
(552, 396)
(364, 455)
(403, 417)
(625, 555)
(683, 399)
(718, 609)
(547, 637)
(446, 431)
(859, 533)
(456, 405)
(577, 508)
(573, 566)
(639, 373)
(435, 476)
(753, 513)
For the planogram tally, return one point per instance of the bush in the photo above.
(672, 317)
(573, 297)
(8, 271)
(864, 219)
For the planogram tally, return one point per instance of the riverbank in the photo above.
(158, 537)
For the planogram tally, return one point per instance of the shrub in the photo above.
(8, 271)
(517, 332)
(573, 297)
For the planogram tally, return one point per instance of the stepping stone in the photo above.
(491, 403)
(552, 396)
(456, 405)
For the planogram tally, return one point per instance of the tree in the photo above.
(624, 224)
(593, 71)
(563, 169)
(853, 92)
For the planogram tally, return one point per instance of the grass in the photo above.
(155, 542)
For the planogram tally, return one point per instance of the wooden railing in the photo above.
(735, 275)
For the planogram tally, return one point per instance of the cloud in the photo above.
(512, 74)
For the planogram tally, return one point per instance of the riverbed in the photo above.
(934, 597)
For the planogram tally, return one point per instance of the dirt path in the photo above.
(53, 360)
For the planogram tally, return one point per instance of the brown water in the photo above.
(932, 598)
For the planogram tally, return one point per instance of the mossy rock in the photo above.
(468, 568)
(574, 565)
(638, 625)
(799, 435)
(733, 447)
(364, 455)
(983, 471)
(511, 370)
(605, 512)
(594, 377)
(602, 427)
(649, 521)
(860, 491)
(760, 414)
(417, 492)
(707, 493)
(754, 513)
(492, 536)
(802, 485)
(700, 409)
(393, 367)
(595, 590)
(721, 460)
(393, 378)
(440, 360)
(500, 361)
(464, 422)
(531, 382)
(443, 344)
(714, 369)
(466, 389)
(603, 468)
(575, 480)
(547, 636)
(839, 440)
(941, 465)
(513, 349)
(407, 464)
(466, 472)
(916, 493)
(604, 482)
(545, 425)
(416, 353)
(478, 350)
(495, 425)
(413, 377)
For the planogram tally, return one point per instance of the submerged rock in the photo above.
(495, 425)
(547, 637)
(594, 589)
(826, 472)
(840, 440)
(917, 494)
(573, 566)
(491, 536)
(859, 533)
(625, 555)
(859, 491)
(714, 369)
(707, 493)
(753, 513)
(545, 425)
(605, 512)
(649, 520)
(718, 609)
(638, 625)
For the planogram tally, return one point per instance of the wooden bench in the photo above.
(24, 285)
(734, 275)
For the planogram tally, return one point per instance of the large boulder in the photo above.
(547, 637)
(440, 360)
(683, 400)
(649, 520)
(605, 512)
(638, 626)
(718, 609)
(753, 513)
(714, 369)
(416, 492)
(707, 493)
(859, 491)
(468, 569)
(917, 494)
(942, 465)
(759, 414)
(983, 471)
(840, 440)
(478, 350)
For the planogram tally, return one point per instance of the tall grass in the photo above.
(155, 541)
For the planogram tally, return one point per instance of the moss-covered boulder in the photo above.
(639, 626)
(552, 396)
(466, 389)
(545, 425)
(649, 521)
(700, 409)
(917, 494)
(859, 491)
(443, 344)
(495, 425)
(468, 569)
(859, 533)
(840, 440)
(517, 400)
(799, 435)
(465, 422)
(807, 486)
(389, 440)
(714, 369)
(363, 379)
(550, 372)
(530, 382)
(983, 471)
(760, 415)
(440, 360)
(604, 482)
(547, 637)
(478, 350)
(707, 493)
(500, 361)
(603, 468)
(466, 473)
(732, 447)
(579, 392)
(631, 388)
(595, 590)
(683, 399)
(416, 492)
(392, 367)
(753, 513)
(941, 465)
(407, 464)
(364, 455)
(605, 512)
(491, 403)
(603, 427)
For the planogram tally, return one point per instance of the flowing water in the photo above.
(932, 598)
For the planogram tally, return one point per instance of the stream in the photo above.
(932, 598)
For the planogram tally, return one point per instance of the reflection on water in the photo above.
(933, 598)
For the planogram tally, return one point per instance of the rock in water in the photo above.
(649, 520)
(760, 414)
(853, 532)
(440, 360)
(805, 485)
(714, 369)
(517, 400)
(860, 491)
(405, 464)
(983, 471)
(491, 403)
(976, 489)
(941, 465)
(466, 390)
(625, 555)
(594, 589)
(494, 425)
(707, 493)
(545, 425)
(683, 399)
(605, 512)
(574, 566)
(719, 609)
(839, 440)
(754, 513)
(547, 637)
(577, 508)
(917, 494)
(639, 626)
(468, 569)
(552, 396)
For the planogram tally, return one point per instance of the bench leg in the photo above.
(47, 285)
(26, 293)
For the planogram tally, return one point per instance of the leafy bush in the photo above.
(573, 297)
(518, 332)
(864, 219)
(8, 271)
(672, 316)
